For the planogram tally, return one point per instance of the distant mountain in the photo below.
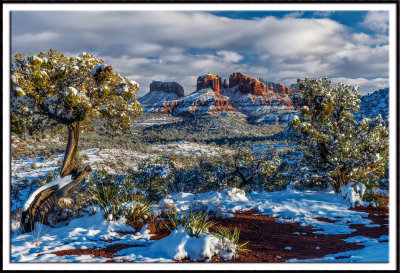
(374, 104)
(160, 92)
(262, 102)
(259, 101)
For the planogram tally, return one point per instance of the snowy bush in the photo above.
(154, 176)
(195, 223)
(354, 193)
(334, 143)
(180, 245)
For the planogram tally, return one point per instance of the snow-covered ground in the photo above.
(187, 148)
(94, 231)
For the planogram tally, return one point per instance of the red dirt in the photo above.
(268, 238)
(108, 252)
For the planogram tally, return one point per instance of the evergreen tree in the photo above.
(51, 90)
(340, 148)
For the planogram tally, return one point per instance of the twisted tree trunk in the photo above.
(74, 130)
(44, 201)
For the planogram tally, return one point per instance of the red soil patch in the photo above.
(323, 219)
(108, 252)
(377, 216)
(268, 239)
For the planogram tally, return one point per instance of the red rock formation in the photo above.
(225, 84)
(247, 84)
(168, 87)
(209, 80)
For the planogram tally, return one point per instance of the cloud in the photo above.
(229, 56)
(377, 21)
(323, 13)
(180, 45)
(366, 85)
(295, 14)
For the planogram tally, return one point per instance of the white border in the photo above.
(140, 266)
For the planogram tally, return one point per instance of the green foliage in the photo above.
(51, 89)
(106, 192)
(233, 237)
(154, 176)
(195, 223)
(333, 142)
(138, 211)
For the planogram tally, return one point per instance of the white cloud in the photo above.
(229, 56)
(179, 46)
(366, 85)
(377, 21)
(295, 14)
(323, 13)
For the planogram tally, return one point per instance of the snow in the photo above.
(300, 206)
(290, 205)
(353, 193)
(73, 90)
(59, 181)
(375, 251)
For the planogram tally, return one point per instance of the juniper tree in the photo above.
(339, 147)
(51, 90)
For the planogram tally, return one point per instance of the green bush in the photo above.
(106, 192)
(233, 237)
(195, 223)
(138, 211)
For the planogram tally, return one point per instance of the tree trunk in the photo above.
(44, 202)
(341, 180)
(72, 146)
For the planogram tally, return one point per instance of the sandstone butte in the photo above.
(168, 87)
(209, 80)
(247, 84)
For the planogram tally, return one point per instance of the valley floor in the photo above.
(290, 225)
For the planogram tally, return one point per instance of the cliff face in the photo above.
(261, 102)
(277, 88)
(247, 84)
(168, 87)
(209, 81)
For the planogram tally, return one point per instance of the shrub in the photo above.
(138, 211)
(233, 237)
(195, 223)
(338, 146)
(106, 192)
(154, 176)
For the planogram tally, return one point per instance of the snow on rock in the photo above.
(85, 232)
(167, 87)
(247, 84)
(161, 92)
(179, 245)
(209, 81)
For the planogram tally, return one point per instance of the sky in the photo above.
(280, 46)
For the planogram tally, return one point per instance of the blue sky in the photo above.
(279, 46)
